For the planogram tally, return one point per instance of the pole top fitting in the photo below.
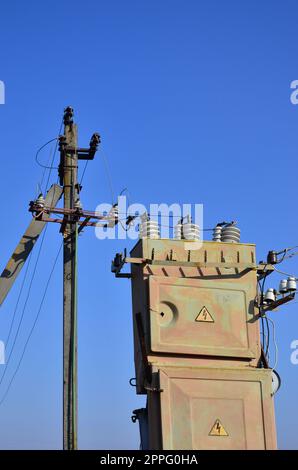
(94, 142)
(62, 142)
(68, 115)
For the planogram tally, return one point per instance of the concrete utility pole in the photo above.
(74, 220)
(70, 233)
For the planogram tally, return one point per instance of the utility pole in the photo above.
(70, 154)
(70, 233)
(74, 220)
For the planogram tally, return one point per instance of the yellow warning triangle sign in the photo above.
(218, 429)
(204, 315)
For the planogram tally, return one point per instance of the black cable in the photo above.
(108, 175)
(264, 320)
(24, 307)
(53, 158)
(84, 171)
(18, 301)
(40, 185)
(261, 317)
(39, 150)
(263, 333)
(268, 337)
(283, 257)
(33, 326)
(291, 255)
(285, 253)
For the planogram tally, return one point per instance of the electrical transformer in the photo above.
(197, 348)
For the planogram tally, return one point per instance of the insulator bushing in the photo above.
(40, 201)
(291, 284)
(270, 296)
(217, 233)
(78, 204)
(178, 231)
(190, 231)
(272, 257)
(283, 286)
(230, 234)
(149, 229)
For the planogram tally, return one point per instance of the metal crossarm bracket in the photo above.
(278, 303)
(26, 244)
(120, 260)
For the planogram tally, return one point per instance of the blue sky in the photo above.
(192, 100)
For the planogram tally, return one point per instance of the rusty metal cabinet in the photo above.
(197, 346)
(209, 408)
(203, 316)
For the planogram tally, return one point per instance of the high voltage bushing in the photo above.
(217, 233)
(40, 202)
(190, 231)
(283, 286)
(270, 296)
(272, 257)
(230, 234)
(178, 231)
(291, 284)
(186, 231)
(149, 229)
(226, 232)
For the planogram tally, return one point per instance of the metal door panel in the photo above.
(216, 409)
(177, 325)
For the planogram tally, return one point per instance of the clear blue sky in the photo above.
(192, 100)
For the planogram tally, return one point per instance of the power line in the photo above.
(268, 337)
(52, 162)
(285, 274)
(84, 171)
(275, 343)
(33, 326)
(108, 175)
(18, 300)
(24, 307)
(47, 167)
(291, 255)
(40, 185)
(38, 152)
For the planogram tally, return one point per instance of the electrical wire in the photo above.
(27, 267)
(18, 300)
(275, 344)
(40, 185)
(291, 255)
(53, 158)
(33, 326)
(264, 319)
(108, 174)
(84, 171)
(24, 307)
(160, 225)
(289, 249)
(284, 254)
(268, 337)
(285, 274)
(38, 152)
